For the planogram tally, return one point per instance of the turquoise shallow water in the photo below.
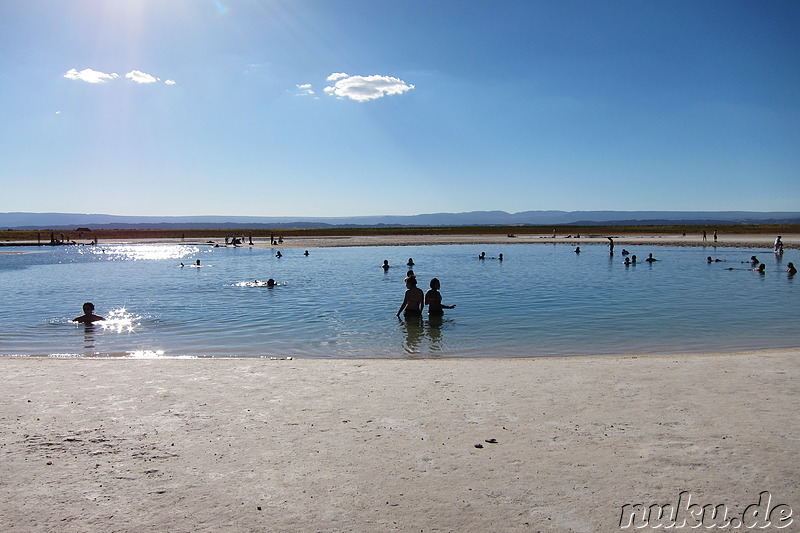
(541, 300)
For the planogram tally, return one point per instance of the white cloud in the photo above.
(140, 77)
(89, 76)
(336, 76)
(170, 82)
(305, 89)
(363, 88)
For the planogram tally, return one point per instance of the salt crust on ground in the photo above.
(388, 445)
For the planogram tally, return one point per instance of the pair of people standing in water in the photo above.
(414, 301)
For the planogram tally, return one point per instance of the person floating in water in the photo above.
(791, 269)
(482, 256)
(760, 268)
(433, 299)
(414, 299)
(753, 260)
(385, 264)
(279, 254)
(88, 316)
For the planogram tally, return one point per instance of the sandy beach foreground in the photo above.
(389, 445)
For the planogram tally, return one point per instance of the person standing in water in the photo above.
(88, 316)
(414, 299)
(433, 299)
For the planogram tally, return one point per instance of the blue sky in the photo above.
(356, 107)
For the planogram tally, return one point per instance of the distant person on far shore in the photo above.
(88, 316)
(413, 301)
(791, 269)
(433, 299)
(705, 237)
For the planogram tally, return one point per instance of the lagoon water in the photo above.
(542, 300)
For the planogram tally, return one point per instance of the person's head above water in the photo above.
(88, 314)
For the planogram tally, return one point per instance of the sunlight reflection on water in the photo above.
(338, 302)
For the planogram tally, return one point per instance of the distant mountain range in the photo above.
(475, 218)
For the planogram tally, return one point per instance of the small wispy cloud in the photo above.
(140, 77)
(305, 89)
(95, 76)
(364, 88)
(89, 76)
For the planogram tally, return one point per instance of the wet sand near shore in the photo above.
(388, 445)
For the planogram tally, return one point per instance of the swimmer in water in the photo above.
(88, 316)
(413, 301)
(482, 256)
(410, 262)
(650, 258)
(433, 299)
(385, 264)
(577, 249)
(760, 268)
(791, 269)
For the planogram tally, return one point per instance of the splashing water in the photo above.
(120, 321)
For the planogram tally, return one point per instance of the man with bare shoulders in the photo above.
(88, 316)
(414, 300)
